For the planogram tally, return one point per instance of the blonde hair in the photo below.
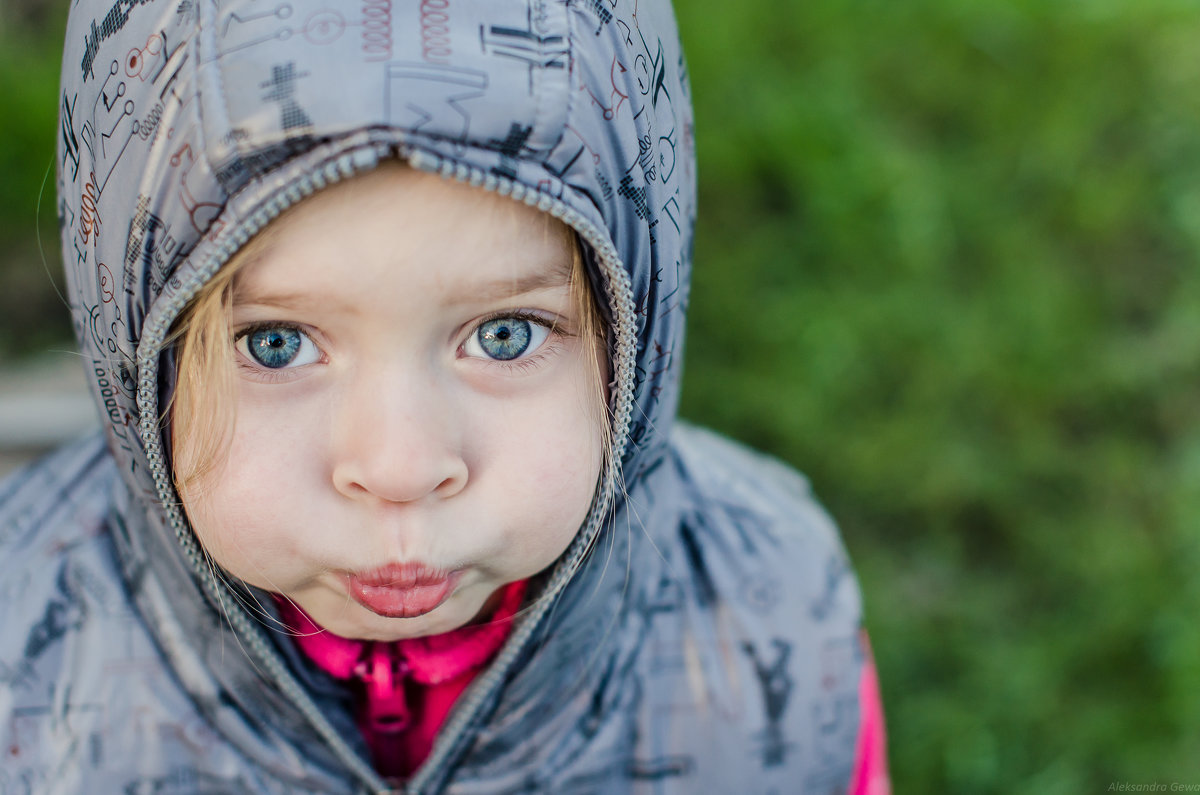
(201, 413)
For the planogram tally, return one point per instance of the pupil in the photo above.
(503, 334)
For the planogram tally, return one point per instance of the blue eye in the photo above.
(506, 338)
(276, 347)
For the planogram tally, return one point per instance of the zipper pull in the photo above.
(383, 671)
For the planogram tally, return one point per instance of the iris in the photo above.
(274, 347)
(504, 338)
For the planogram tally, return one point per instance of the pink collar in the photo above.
(385, 668)
(430, 660)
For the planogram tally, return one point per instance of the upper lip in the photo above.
(401, 575)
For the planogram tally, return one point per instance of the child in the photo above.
(383, 305)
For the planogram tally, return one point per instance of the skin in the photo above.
(392, 437)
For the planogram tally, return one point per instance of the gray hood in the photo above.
(187, 125)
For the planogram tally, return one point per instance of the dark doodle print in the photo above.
(776, 686)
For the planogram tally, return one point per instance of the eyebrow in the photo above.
(290, 301)
(558, 275)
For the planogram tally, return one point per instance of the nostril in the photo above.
(401, 482)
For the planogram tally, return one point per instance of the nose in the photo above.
(395, 440)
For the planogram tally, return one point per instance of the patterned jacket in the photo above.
(702, 632)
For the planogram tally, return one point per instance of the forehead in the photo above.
(448, 240)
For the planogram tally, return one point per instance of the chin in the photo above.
(369, 626)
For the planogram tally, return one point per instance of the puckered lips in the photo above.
(401, 590)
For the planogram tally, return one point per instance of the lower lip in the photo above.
(402, 601)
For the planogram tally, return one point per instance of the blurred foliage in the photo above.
(32, 316)
(945, 265)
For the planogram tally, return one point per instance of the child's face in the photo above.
(417, 421)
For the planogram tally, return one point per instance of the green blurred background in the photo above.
(945, 266)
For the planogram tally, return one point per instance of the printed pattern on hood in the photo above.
(701, 632)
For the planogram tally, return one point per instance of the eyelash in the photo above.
(268, 374)
(532, 361)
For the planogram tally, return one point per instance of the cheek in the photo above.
(240, 511)
(559, 448)
(230, 521)
(567, 470)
